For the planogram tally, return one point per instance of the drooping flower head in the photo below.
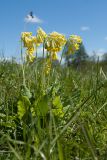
(32, 42)
(73, 44)
(76, 39)
(54, 42)
(29, 42)
(25, 34)
(41, 35)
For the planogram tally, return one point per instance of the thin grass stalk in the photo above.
(37, 151)
(60, 152)
(72, 119)
(44, 63)
(61, 58)
(89, 142)
(43, 49)
(36, 64)
(36, 52)
(15, 152)
(23, 67)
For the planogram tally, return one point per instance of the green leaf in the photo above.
(25, 91)
(57, 102)
(23, 106)
(11, 125)
(58, 107)
(43, 106)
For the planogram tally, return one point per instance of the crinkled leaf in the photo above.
(58, 107)
(26, 92)
(23, 106)
(57, 102)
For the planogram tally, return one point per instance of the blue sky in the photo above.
(87, 18)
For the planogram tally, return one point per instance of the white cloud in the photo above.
(34, 19)
(85, 28)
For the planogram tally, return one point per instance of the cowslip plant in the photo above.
(41, 111)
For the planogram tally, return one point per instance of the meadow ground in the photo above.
(62, 115)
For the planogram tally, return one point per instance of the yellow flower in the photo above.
(41, 35)
(34, 39)
(76, 39)
(59, 38)
(29, 53)
(30, 50)
(54, 56)
(28, 39)
(28, 42)
(25, 34)
(54, 42)
(73, 44)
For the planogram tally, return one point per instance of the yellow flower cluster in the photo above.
(28, 42)
(41, 35)
(31, 42)
(73, 44)
(53, 43)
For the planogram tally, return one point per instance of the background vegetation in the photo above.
(60, 116)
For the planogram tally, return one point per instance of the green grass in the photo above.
(60, 116)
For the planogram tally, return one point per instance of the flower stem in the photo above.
(61, 58)
(23, 68)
